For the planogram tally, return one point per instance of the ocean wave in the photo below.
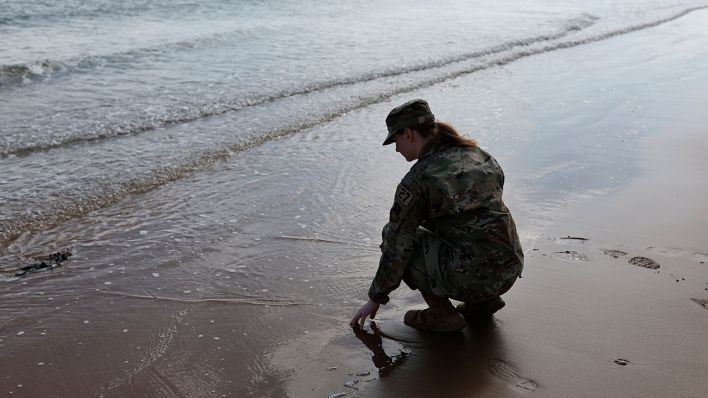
(182, 115)
(43, 12)
(37, 71)
(29, 72)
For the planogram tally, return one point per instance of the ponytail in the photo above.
(445, 133)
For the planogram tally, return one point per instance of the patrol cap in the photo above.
(410, 114)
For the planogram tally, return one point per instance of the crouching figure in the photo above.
(449, 234)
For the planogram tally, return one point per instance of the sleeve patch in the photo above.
(404, 195)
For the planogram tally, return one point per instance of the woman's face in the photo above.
(405, 144)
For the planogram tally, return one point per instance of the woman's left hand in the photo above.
(368, 309)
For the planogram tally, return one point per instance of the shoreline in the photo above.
(255, 299)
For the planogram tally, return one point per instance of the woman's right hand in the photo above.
(368, 309)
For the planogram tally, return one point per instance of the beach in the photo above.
(233, 269)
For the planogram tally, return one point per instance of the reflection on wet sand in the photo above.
(443, 365)
(373, 341)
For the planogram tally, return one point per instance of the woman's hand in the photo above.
(367, 309)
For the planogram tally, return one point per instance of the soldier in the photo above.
(449, 233)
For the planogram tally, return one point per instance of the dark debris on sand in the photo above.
(42, 263)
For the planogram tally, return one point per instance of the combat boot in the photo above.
(434, 321)
(480, 310)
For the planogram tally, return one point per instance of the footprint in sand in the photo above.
(569, 255)
(668, 251)
(644, 262)
(506, 372)
(615, 253)
(702, 303)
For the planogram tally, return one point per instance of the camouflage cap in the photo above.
(410, 114)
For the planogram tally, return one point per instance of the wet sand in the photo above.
(282, 240)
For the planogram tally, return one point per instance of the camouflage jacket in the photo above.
(455, 192)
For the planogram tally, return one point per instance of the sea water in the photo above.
(101, 100)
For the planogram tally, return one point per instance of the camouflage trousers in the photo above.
(432, 270)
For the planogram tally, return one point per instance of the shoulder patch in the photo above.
(404, 195)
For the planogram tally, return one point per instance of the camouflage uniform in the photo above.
(449, 232)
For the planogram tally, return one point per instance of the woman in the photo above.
(449, 233)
